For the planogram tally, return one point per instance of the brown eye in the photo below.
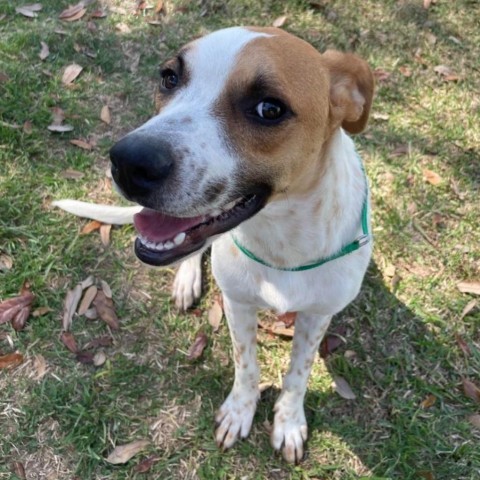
(270, 109)
(169, 79)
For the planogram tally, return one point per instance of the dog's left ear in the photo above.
(351, 90)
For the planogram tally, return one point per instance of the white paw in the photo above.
(234, 419)
(187, 286)
(289, 432)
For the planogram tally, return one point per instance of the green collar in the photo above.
(351, 247)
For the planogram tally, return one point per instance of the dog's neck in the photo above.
(296, 229)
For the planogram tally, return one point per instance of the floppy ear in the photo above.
(351, 90)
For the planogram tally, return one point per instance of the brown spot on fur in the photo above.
(234, 250)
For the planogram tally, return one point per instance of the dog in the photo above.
(249, 152)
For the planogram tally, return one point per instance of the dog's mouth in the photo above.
(163, 239)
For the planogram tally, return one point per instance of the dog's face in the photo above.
(243, 116)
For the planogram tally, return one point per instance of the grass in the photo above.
(401, 329)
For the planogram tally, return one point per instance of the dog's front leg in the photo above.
(235, 416)
(290, 426)
(187, 286)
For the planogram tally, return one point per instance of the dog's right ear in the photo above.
(351, 90)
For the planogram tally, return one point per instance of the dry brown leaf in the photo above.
(475, 420)
(432, 177)
(87, 282)
(405, 71)
(106, 289)
(91, 314)
(20, 319)
(381, 75)
(11, 360)
(70, 73)
(90, 227)
(88, 296)
(44, 52)
(40, 366)
(85, 357)
(40, 311)
(282, 331)
(81, 144)
(70, 306)
(342, 387)
(215, 315)
(463, 344)
(69, 341)
(287, 318)
(443, 70)
(123, 453)
(146, 464)
(98, 14)
(469, 287)
(72, 11)
(99, 359)
(27, 127)
(106, 310)
(19, 470)
(105, 229)
(428, 401)
(467, 309)
(198, 346)
(77, 16)
(72, 174)
(103, 341)
(11, 307)
(29, 10)
(6, 262)
(105, 115)
(280, 21)
(4, 77)
(471, 390)
(58, 116)
(159, 7)
(123, 28)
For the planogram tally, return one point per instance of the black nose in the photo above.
(140, 165)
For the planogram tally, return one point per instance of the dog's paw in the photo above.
(234, 419)
(289, 432)
(187, 286)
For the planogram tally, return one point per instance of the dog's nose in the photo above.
(140, 164)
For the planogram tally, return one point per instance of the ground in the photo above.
(408, 342)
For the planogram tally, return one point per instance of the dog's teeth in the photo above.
(168, 245)
(178, 240)
(159, 246)
(215, 213)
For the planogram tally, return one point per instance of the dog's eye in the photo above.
(169, 79)
(270, 109)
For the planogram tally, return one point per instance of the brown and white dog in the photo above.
(249, 139)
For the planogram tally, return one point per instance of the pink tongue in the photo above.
(157, 227)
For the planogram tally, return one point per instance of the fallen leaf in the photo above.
(19, 470)
(105, 115)
(87, 282)
(159, 7)
(123, 28)
(106, 289)
(40, 366)
(85, 357)
(88, 296)
(468, 308)
(280, 21)
(6, 262)
(196, 350)
(123, 453)
(429, 401)
(60, 128)
(106, 310)
(70, 306)
(452, 78)
(469, 287)
(405, 71)
(474, 420)
(29, 10)
(91, 314)
(463, 344)
(90, 227)
(282, 331)
(105, 229)
(11, 360)
(81, 144)
(426, 475)
(287, 318)
(4, 77)
(390, 270)
(99, 359)
(70, 73)
(72, 174)
(426, 3)
(342, 387)
(381, 116)
(69, 341)
(27, 127)
(146, 464)
(44, 52)
(40, 311)
(381, 75)
(98, 14)
(74, 12)
(432, 177)
(443, 70)
(329, 344)
(264, 386)
(11, 307)
(103, 341)
(471, 390)
(215, 315)
(20, 319)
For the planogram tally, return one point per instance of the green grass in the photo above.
(402, 333)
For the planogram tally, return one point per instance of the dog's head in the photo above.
(244, 116)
